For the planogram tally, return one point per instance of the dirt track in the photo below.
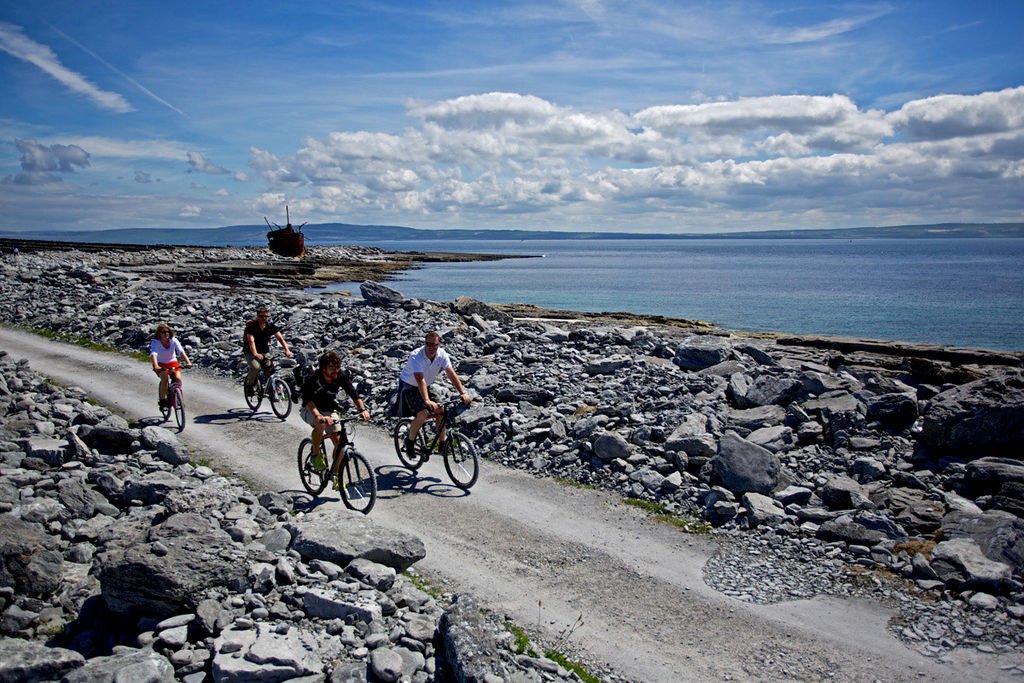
(544, 554)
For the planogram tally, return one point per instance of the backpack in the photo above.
(394, 402)
(300, 373)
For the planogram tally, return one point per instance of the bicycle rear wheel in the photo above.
(461, 460)
(314, 479)
(356, 482)
(177, 398)
(280, 397)
(399, 435)
(253, 400)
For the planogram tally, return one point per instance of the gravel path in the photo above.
(635, 599)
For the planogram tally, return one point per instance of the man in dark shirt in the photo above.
(256, 344)
(320, 400)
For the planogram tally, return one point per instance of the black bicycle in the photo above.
(175, 402)
(356, 481)
(272, 387)
(460, 457)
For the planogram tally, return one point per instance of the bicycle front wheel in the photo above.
(357, 482)
(461, 460)
(178, 404)
(165, 408)
(314, 479)
(400, 434)
(280, 397)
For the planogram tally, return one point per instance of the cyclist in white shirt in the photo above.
(418, 373)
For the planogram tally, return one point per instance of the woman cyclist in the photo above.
(164, 351)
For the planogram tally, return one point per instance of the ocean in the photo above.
(954, 292)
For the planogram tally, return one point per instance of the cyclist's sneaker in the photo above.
(318, 462)
(410, 449)
(249, 391)
(163, 403)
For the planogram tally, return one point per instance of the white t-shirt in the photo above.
(166, 354)
(418, 362)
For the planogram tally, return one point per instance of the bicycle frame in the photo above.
(443, 422)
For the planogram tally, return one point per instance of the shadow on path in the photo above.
(233, 415)
(394, 481)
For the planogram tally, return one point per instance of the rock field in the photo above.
(827, 471)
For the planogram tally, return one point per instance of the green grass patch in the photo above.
(424, 585)
(569, 483)
(521, 641)
(690, 523)
(77, 341)
(577, 669)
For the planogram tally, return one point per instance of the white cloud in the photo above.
(949, 116)
(199, 164)
(190, 211)
(14, 42)
(482, 158)
(126, 149)
(41, 164)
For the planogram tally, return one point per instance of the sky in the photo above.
(639, 116)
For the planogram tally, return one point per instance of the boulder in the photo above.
(166, 445)
(145, 666)
(999, 534)
(467, 306)
(339, 535)
(262, 654)
(381, 295)
(23, 660)
(755, 418)
(743, 467)
(471, 643)
(611, 446)
(699, 351)
(762, 510)
(30, 561)
(766, 389)
(987, 475)
(961, 564)
(165, 571)
(516, 394)
(895, 410)
(984, 414)
(843, 493)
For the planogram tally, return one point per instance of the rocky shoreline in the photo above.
(865, 468)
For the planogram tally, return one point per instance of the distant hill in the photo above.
(345, 233)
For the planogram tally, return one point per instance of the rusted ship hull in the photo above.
(286, 243)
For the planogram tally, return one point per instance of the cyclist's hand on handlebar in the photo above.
(158, 371)
(364, 414)
(466, 398)
(288, 353)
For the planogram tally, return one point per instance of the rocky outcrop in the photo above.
(845, 455)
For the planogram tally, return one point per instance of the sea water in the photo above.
(957, 292)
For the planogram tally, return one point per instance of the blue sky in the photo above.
(580, 115)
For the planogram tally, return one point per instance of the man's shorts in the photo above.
(412, 402)
(307, 417)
